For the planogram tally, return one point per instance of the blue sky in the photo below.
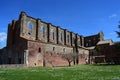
(85, 17)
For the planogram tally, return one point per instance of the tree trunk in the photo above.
(69, 63)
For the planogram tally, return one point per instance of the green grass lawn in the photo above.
(78, 72)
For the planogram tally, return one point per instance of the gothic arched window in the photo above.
(29, 25)
(43, 29)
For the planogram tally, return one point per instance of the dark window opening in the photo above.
(53, 35)
(39, 50)
(63, 49)
(29, 33)
(53, 48)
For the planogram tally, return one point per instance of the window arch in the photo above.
(43, 29)
(29, 25)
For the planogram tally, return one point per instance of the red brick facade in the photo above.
(36, 43)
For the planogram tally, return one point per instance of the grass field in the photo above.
(78, 72)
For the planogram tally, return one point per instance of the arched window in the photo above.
(43, 31)
(29, 25)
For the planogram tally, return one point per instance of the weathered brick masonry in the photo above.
(36, 43)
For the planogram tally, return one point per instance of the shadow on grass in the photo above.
(103, 64)
(63, 66)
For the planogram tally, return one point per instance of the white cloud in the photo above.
(3, 36)
(113, 16)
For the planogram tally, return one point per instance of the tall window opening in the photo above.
(39, 50)
(53, 34)
(43, 31)
(29, 25)
(53, 48)
(68, 38)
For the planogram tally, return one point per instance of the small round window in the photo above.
(29, 25)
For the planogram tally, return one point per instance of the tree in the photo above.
(118, 32)
(69, 57)
(106, 52)
(49, 58)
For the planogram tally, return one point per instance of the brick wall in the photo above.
(60, 36)
(12, 65)
(42, 31)
(36, 52)
(28, 27)
(42, 40)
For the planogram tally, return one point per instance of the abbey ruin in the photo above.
(34, 42)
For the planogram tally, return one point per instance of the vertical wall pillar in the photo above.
(48, 32)
(82, 41)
